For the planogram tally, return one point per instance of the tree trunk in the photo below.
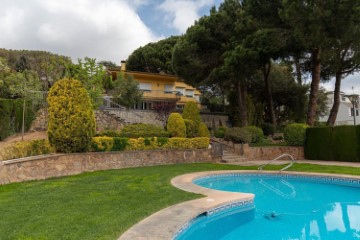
(298, 70)
(314, 91)
(266, 72)
(241, 92)
(335, 108)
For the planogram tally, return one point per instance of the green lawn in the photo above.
(101, 205)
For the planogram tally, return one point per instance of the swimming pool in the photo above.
(285, 207)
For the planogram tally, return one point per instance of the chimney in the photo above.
(123, 66)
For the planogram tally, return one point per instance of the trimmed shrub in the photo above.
(257, 134)
(345, 144)
(119, 144)
(220, 132)
(203, 130)
(237, 135)
(179, 143)
(28, 148)
(176, 126)
(71, 123)
(318, 143)
(143, 130)
(102, 144)
(294, 134)
(200, 142)
(190, 128)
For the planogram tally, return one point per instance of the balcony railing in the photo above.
(158, 94)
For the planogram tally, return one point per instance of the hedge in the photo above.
(11, 116)
(107, 144)
(154, 143)
(341, 143)
(294, 134)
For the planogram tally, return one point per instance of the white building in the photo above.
(346, 112)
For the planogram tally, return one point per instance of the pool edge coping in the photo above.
(163, 225)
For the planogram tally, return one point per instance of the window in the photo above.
(179, 106)
(169, 88)
(351, 112)
(189, 93)
(180, 90)
(145, 87)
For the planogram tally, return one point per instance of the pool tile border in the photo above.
(172, 221)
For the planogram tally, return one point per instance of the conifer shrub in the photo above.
(71, 124)
(143, 130)
(257, 134)
(203, 130)
(294, 134)
(190, 128)
(176, 125)
(238, 135)
(191, 112)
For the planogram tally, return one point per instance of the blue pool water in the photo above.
(286, 207)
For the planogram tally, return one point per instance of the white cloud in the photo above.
(182, 13)
(106, 30)
(350, 84)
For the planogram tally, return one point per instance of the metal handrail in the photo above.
(284, 168)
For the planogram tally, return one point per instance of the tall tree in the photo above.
(343, 57)
(126, 91)
(153, 57)
(308, 21)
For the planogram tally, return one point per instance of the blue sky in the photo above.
(103, 29)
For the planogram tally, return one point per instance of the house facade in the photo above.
(159, 88)
(346, 111)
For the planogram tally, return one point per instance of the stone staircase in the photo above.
(232, 158)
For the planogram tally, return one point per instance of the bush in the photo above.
(200, 142)
(71, 123)
(294, 134)
(203, 130)
(268, 129)
(28, 148)
(191, 112)
(176, 126)
(257, 134)
(190, 128)
(220, 132)
(102, 144)
(108, 133)
(119, 144)
(143, 130)
(237, 135)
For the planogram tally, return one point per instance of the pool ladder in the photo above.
(279, 157)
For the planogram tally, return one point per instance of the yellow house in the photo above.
(160, 88)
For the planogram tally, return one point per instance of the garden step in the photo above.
(229, 157)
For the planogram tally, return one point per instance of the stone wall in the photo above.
(104, 121)
(56, 165)
(116, 119)
(269, 153)
(214, 121)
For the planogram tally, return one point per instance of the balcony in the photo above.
(160, 95)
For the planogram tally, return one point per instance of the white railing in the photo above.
(279, 157)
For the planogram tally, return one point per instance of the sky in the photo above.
(103, 29)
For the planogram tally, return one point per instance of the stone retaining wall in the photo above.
(269, 153)
(56, 165)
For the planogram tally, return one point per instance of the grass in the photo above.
(102, 205)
